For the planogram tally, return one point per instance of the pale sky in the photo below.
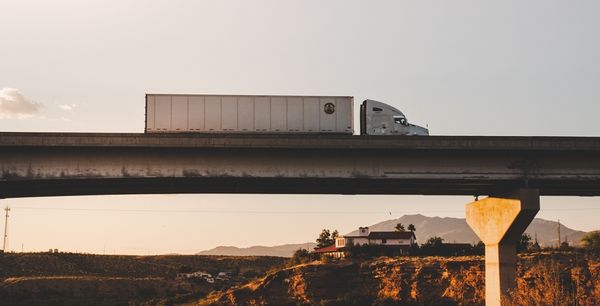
(462, 67)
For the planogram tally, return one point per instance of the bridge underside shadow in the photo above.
(244, 185)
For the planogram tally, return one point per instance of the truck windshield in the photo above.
(400, 120)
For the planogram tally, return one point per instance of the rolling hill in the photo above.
(285, 250)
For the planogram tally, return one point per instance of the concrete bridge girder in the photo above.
(430, 169)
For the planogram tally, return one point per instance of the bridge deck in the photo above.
(54, 164)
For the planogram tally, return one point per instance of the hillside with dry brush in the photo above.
(548, 278)
(544, 279)
(86, 279)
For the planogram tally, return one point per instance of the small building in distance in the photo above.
(196, 275)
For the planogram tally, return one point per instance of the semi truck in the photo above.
(177, 113)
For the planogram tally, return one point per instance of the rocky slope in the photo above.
(544, 279)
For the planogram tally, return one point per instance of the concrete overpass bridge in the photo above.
(512, 171)
(59, 164)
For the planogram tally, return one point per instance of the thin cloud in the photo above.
(67, 107)
(13, 104)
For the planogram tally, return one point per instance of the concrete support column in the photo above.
(499, 222)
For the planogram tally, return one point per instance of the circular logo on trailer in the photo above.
(329, 108)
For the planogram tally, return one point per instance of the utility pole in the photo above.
(558, 233)
(6, 209)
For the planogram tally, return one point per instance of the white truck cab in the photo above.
(377, 118)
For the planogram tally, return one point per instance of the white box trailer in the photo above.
(168, 113)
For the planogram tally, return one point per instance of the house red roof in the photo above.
(326, 249)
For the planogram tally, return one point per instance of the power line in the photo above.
(226, 211)
(268, 211)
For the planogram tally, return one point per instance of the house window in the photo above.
(383, 241)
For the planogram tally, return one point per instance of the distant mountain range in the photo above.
(285, 250)
(450, 229)
(457, 230)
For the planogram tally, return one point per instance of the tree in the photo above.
(326, 238)
(591, 241)
(479, 248)
(434, 246)
(400, 228)
(535, 247)
(300, 256)
(524, 243)
(433, 242)
(411, 227)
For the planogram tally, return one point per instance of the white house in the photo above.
(401, 240)
(365, 236)
(361, 239)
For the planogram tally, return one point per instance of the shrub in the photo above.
(551, 283)
(300, 256)
(591, 242)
